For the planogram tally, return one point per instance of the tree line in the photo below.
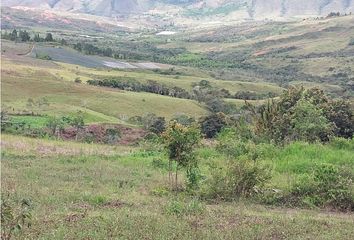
(24, 36)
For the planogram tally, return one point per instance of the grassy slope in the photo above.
(259, 43)
(24, 77)
(114, 193)
(20, 82)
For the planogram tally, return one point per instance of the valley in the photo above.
(177, 119)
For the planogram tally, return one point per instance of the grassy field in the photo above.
(100, 104)
(85, 191)
(25, 78)
(97, 191)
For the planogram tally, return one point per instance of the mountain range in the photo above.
(254, 9)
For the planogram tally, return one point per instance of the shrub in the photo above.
(180, 142)
(43, 56)
(112, 136)
(213, 124)
(304, 114)
(326, 186)
(240, 178)
(309, 123)
(153, 123)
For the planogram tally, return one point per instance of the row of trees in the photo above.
(91, 49)
(304, 114)
(299, 115)
(24, 36)
(203, 92)
(130, 84)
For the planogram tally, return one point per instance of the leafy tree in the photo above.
(297, 107)
(213, 124)
(77, 121)
(49, 38)
(309, 123)
(13, 36)
(37, 38)
(24, 36)
(108, 52)
(55, 125)
(180, 142)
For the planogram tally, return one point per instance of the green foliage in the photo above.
(153, 123)
(15, 216)
(49, 38)
(304, 115)
(112, 136)
(308, 122)
(78, 80)
(239, 178)
(131, 84)
(213, 124)
(24, 36)
(55, 125)
(180, 142)
(328, 185)
(342, 143)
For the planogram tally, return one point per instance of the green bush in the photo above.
(241, 178)
(180, 143)
(213, 124)
(327, 186)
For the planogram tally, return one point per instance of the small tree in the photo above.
(77, 121)
(5, 120)
(56, 125)
(180, 142)
(308, 122)
(153, 123)
(213, 124)
(37, 38)
(13, 35)
(49, 38)
(24, 36)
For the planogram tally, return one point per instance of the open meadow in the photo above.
(84, 191)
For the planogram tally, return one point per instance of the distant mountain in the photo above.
(256, 9)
